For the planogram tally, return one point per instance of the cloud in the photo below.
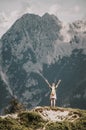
(54, 8)
(25, 7)
(77, 8)
(65, 12)
(6, 20)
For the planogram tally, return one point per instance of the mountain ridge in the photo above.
(35, 44)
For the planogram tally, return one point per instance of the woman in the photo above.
(53, 92)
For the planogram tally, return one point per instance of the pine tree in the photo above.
(14, 106)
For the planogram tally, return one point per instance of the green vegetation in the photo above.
(14, 106)
(11, 124)
(79, 124)
(31, 120)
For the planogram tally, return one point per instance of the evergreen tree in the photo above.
(14, 106)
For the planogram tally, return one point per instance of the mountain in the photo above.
(37, 45)
(45, 118)
(7, 19)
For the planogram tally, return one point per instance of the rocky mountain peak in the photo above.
(35, 45)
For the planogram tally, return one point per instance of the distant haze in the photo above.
(65, 10)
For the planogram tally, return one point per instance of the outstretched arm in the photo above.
(48, 83)
(46, 80)
(58, 83)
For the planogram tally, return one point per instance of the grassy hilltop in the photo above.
(45, 118)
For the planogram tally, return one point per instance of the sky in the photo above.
(66, 10)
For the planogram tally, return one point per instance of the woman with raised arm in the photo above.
(53, 91)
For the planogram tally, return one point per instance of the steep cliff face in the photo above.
(37, 44)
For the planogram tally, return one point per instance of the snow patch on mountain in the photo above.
(65, 32)
(79, 26)
(5, 80)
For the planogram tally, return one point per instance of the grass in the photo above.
(31, 120)
(11, 124)
(79, 124)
